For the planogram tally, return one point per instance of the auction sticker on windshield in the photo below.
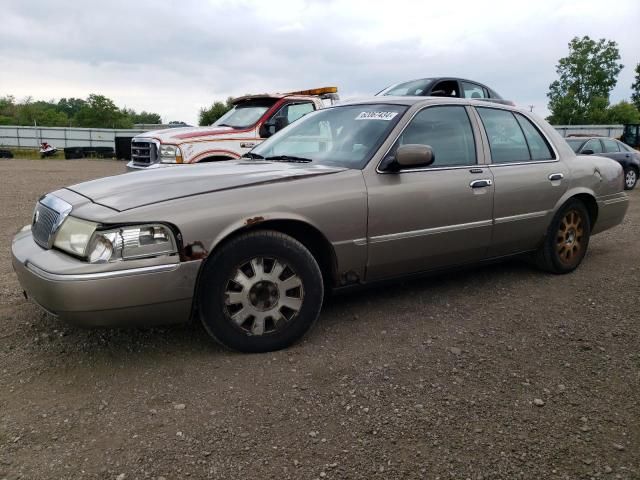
(376, 116)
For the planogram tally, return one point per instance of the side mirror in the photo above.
(588, 151)
(414, 155)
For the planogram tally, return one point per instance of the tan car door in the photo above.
(425, 218)
(529, 180)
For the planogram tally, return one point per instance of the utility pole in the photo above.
(531, 107)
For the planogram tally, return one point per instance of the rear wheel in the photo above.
(260, 292)
(567, 239)
(630, 178)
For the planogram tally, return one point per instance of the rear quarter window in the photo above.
(538, 146)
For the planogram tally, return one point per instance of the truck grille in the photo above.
(143, 153)
(45, 221)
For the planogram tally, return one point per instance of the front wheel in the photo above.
(567, 239)
(260, 292)
(630, 178)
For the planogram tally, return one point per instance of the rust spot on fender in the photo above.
(194, 251)
(254, 220)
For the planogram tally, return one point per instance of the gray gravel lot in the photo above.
(498, 372)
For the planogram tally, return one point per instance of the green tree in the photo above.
(214, 112)
(7, 110)
(41, 113)
(635, 88)
(71, 106)
(590, 71)
(623, 112)
(146, 117)
(101, 112)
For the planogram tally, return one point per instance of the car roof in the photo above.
(589, 137)
(423, 100)
(438, 79)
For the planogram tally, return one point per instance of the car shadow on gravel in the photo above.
(452, 281)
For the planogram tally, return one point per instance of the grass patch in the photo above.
(32, 153)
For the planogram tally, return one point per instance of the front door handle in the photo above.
(485, 182)
(556, 176)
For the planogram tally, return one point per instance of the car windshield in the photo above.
(575, 144)
(245, 114)
(345, 136)
(412, 88)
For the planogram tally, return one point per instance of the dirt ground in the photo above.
(500, 372)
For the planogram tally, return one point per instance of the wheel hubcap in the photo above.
(569, 239)
(263, 295)
(630, 178)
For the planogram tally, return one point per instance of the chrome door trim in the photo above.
(522, 216)
(430, 231)
(355, 241)
(554, 177)
(532, 162)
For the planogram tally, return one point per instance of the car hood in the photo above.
(178, 135)
(136, 189)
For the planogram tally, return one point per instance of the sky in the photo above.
(174, 57)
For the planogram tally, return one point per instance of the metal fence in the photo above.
(62, 137)
(596, 130)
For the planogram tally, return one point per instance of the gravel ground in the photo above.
(499, 372)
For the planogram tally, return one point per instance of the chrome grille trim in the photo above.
(144, 152)
(48, 215)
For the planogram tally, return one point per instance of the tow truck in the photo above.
(251, 120)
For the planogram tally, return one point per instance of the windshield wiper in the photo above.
(289, 158)
(257, 156)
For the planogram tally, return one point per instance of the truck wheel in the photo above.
(260, 292)
(567, 239)
(630, 178)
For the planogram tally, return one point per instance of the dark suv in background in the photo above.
(611, 148)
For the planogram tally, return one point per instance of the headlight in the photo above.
(82, 238)
(74, 236)
(170, 154)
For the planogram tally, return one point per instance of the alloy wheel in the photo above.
(569, 238)
(263, 295)
(630, 178)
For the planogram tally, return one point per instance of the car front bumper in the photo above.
(104, 295)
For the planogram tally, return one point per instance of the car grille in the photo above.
(143, 153)
(45, 221)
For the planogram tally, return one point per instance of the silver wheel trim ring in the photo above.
(281, 309)
(630, 178)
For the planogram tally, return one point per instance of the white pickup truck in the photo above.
(252, 119)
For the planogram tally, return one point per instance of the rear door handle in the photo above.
(556, 176)
(485, 182)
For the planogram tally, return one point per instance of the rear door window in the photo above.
(610, 146)
(506, 139)
(447, 130)
(538, 146)
(472, 90)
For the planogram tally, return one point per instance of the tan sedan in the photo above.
(353, 194)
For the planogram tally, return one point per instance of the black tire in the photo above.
(217, 285)
(630, 178)
(561, 251)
